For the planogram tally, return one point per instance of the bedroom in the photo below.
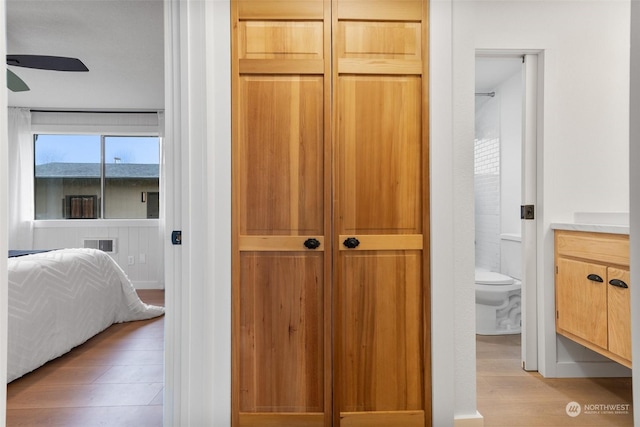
(119, 99)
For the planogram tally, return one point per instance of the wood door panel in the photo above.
(381, 10)
(619, 314)
(281, 420)
(380, 331)
(383, 419)
(281, 140)
(280, 9)
(380, 159)
(582, 303)
(379, 48)
(366, 39)
(281, 332)
(280, 39)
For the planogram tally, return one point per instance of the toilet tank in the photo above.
(511, 255)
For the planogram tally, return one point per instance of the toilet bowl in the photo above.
(498, 308)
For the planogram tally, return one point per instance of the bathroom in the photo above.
(497, 181)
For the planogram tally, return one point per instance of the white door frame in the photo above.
(198, 173)
(529, 227)
(4, 236)
(531, 174)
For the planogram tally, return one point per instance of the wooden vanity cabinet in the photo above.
(593, 293)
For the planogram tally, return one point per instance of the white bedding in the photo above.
(60, 299)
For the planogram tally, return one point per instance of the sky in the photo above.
(86, 149)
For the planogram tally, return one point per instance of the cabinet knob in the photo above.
(595, 278)
(618, 283)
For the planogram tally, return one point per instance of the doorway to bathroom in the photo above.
(505, 192)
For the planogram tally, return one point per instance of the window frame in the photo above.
(100, 220)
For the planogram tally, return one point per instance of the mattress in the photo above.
(61, 298)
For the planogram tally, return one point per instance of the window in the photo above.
(96, 176)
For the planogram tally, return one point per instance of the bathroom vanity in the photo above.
(592, 289)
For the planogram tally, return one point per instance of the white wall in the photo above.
(138, 239)
(585, 121)
(459, 281)
(487, 188)
(497, 180)
(446, 394)
(510, 92)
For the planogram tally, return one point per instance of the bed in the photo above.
(59, 299)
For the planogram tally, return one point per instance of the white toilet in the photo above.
(498, 309)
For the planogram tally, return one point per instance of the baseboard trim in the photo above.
(149, 284)
(476, 420)
(591, 370)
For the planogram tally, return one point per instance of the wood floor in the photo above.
(116, 379)
(509, 396)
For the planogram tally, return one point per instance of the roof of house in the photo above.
(92, 170)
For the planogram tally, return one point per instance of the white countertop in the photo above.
(594, 228)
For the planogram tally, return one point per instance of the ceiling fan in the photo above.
(40, 62)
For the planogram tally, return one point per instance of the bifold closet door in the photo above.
(330, 204)
(381, 325)
(281, 200)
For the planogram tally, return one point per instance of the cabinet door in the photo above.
(619, 313)
(281, 204)
(581, 300)
(381, 323)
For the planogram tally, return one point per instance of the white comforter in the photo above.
(60, 299)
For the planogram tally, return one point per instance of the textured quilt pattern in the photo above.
(60, 299)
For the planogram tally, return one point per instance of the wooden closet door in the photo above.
(382, 361)
(281, 203)
(330, 143)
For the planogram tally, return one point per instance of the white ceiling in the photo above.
(120, 41)
(491, 71)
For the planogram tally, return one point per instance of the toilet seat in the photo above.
(492, 278)
(499, 288)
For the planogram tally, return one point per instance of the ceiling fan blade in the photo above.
(15, 83)
(43, 62)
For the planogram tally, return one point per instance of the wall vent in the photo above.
(106, 245)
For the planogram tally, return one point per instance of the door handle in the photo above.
(351, 242)
(595, 278)
(618, 283)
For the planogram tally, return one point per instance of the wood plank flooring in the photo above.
(509, 396)
(115, 379)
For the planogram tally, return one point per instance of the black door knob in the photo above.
(351, 242)
(311, 243)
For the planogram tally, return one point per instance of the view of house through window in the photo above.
(96, 176)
